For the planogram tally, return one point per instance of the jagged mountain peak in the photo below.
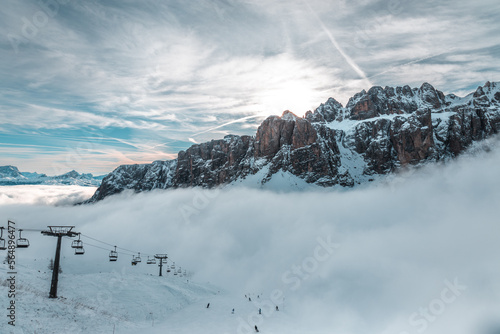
(486, 95)
(379, 101)
(289, 116)
(427, 87)
(10, 172)
(377, 133)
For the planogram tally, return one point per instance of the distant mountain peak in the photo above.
(10, 175)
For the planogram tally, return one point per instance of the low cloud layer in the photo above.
(418, 254)
(44, 195)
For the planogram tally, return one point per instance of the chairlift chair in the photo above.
(151, 261)
(113, 255)
(134, 262)
(79, 251)
(138, 258)
(22, 242)
(77, 243)
(3, 245)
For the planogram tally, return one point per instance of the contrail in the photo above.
(231, 122)
(413, 62)
(348, 59)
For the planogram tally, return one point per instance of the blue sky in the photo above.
(90, 85)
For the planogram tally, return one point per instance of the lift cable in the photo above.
(106, 249)
(126, 251)
(108, 244)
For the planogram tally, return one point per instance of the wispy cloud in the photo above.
(167, 71)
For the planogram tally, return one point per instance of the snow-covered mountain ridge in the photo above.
(10, 175)
(376, 133)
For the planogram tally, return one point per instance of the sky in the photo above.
(416, 255)
(90, 85)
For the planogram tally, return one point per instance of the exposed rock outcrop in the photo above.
(376, 133)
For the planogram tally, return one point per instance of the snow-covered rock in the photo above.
(378, 132)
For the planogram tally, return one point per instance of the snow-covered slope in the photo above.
(10, 175)
(127, 300)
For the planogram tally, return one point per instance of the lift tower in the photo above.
(59, 232)
(161, 257)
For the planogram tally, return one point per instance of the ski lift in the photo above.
(134, 262)
(3, 245)
(22, 242)
(113, 255)
(79, 251)
(172, 266)
(179, 271)
(77, 244)
(151, 261)
(138, 258)
(175, 273)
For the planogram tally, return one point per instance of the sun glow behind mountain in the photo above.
(137, 87)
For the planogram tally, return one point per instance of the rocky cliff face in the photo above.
(376, 133)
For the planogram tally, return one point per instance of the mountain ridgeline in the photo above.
(11, 176)
(376, 133)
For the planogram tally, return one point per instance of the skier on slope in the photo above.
(256, 329)
(208, 305)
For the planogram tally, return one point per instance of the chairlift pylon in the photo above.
(113, 255)
(22, 242)
(3, 245)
